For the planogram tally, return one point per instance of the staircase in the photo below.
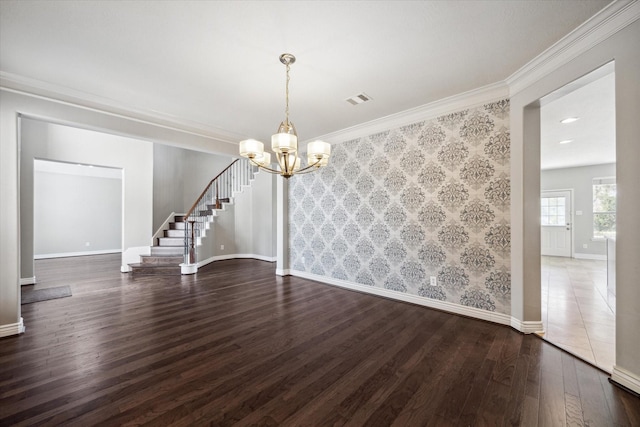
(167, 252)
(170, 250)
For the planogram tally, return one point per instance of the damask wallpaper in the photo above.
(428, 199)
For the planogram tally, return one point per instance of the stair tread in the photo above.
(160, 259)
(163, 257)
(141, 265)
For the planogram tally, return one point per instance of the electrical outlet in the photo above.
(87, 244)
(433, 281)
(303, 260)
(585, 246)
(222, 247)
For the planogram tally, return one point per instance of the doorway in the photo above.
(577, 145)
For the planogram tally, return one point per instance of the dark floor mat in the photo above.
(36, 295)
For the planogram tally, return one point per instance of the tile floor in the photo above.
(578, 313)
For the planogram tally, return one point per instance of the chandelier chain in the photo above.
(286, 110)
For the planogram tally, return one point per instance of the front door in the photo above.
(556, 223)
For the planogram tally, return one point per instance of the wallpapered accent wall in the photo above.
(428, 199)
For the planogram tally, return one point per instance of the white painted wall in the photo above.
(75, 213)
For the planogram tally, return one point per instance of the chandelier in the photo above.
(285, 143)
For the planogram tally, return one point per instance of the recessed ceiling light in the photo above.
(569, 120)
(566, 141)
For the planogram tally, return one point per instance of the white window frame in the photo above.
(594, 182)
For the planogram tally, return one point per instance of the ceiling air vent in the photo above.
(358, 99)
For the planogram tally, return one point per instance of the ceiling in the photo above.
(592, 137)
(213, 65)
(65, 168)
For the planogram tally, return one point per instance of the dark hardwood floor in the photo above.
(237, 345)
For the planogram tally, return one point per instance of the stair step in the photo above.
(212, 205)
(176, 225)
(194, 217)
(174, 233)
(167, 250)
(171, 241)
(139, 269)
(161, 259)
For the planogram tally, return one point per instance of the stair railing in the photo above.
(230, 180)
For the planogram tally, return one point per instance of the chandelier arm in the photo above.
(306, 168)
(305, 171)
(264, 167)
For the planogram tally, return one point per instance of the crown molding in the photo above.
(64, 95)
(470, 99)
(601, 26)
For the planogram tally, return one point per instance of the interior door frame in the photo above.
(571, 217)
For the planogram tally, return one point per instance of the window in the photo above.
(604, 207)
(553, 211)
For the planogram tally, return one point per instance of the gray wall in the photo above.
(246, 226)
(168, 167)
(254, 228)
(580, 180)
(199, 169)
(179, 176)
(73, 210)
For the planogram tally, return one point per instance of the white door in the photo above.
(555, 220)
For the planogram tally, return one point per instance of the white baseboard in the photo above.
(626, 379)
(527, 327)
(258, 257)
(234, 256)
(27, 281)
(590, 256)
(283, 272)
(12, 329)
(476, 313)
(74, 254)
